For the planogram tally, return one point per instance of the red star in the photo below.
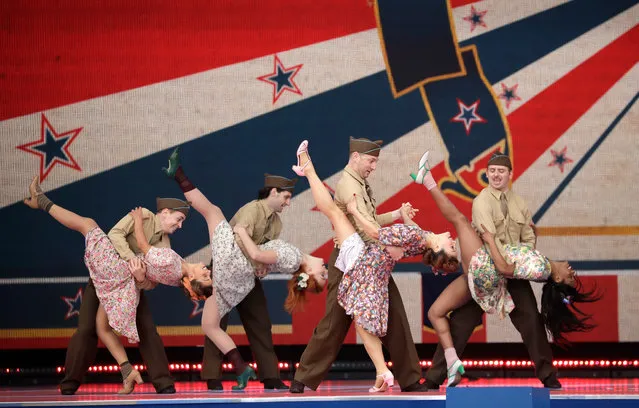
(73, 303)
(509, 94)
(282, 79)
(559, 158)
(52, 148)
(476, 18)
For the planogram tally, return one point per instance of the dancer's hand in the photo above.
(238, 228)
(137, 269)
(261, 271)
(396, 253)
(351, 205)
(407, 211)
(137, 215)
(487, 236)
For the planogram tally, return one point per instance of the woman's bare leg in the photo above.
(373, 347)
(65, 217)
(211, 326)
(211, 212)
(108, 337)
(455, 295)
(324, 201)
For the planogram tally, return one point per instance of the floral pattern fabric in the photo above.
(363, 290)
(489, 288)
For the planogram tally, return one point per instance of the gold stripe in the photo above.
(588, 231)
(162, 330)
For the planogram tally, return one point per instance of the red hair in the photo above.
(296, 294)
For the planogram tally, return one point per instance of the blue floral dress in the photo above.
(363, 290)
(488, 287)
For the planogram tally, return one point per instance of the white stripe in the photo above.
(145, 120)
(602, 183)
(58, 280)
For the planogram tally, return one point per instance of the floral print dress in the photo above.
(114, 284)
(234, 275)
(488, 287)
(363, 290)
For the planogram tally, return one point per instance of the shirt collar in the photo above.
(267, 210)
(497, 194)
(157, 227)
(354, 175)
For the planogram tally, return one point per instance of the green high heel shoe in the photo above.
(243, 379)
(174, 163)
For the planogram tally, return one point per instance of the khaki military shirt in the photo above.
(123, 237)
(511, 229)
(262, 223)
(351, 183)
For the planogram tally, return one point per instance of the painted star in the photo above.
(468, 115)
(509, 94)
(476, 18)
(52, 148)
(330, 191)
(282, 79)
(560, 159)
(198, 306)
(74, 304)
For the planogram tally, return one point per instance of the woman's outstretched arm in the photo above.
(254, 252)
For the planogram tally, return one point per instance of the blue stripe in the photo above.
(562, 186)
(228, 165)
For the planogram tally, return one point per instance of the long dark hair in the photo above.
(560, 312)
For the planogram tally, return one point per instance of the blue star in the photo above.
(52, 148)
(198, 306)
(560, 159)
(282, 79)
(476, 18)
(74, 304)
(468, 115)
(509, 94)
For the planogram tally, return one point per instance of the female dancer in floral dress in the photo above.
(114, 278)
(234, 275)
(485, 280)
(363, 291)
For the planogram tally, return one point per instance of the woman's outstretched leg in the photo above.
(469, 241)
(211, 213)
(65, 217)
(130, 376)
(323, 200)
(211, 327)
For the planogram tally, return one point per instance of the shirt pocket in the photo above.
(517, 223)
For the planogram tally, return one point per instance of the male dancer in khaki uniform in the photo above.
(262, 221)
(329, 334)
(505, 214)
(83, 345)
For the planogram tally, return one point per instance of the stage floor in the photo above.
(196, 393)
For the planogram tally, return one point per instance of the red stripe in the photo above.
(540, 122)
(56, 53)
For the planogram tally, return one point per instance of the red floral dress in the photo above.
(114, 284)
